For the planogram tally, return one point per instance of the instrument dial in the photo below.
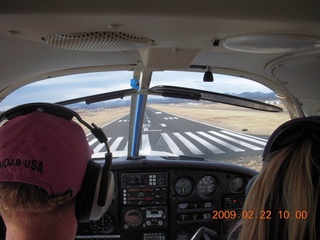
(207, 185)
(133, 218)
(183, 187)
(103, 225)
(237, 184)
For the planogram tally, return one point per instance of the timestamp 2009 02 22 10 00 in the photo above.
(261, 215)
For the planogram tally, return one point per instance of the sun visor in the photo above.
(160, 58)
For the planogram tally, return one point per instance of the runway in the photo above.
(165, 134)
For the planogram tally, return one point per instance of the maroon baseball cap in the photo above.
(44, 150)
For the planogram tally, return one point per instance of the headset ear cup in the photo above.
(87, 192)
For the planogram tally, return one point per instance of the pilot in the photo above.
(43, 160)
(283, 200)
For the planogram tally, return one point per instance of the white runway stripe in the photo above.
(116, 144)
(172, 145)
(145, 143)
(120, 153)
(189, 144)
(204, 139)
(206, 144)
(248, 145)
(251, 138)
(93, 141)
(223, 143)
(99, 146)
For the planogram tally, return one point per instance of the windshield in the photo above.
(171, 126)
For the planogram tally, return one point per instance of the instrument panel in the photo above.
(160, 200)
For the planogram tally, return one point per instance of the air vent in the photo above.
(98, 41)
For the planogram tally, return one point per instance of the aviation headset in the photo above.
(288, 133)
(97, 188)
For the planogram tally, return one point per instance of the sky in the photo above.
(74, 86)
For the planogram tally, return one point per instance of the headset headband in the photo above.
(56, 110)
(292, 131)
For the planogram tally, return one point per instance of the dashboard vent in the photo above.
(98, 41)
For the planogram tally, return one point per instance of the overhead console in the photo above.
(171, 200)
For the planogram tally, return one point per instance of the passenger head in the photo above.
(288, 185)
(43, 160)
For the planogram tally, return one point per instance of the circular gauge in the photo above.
(207, 185)
(183, 187)
(237, 184)
(103, 225)
(133, 218)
